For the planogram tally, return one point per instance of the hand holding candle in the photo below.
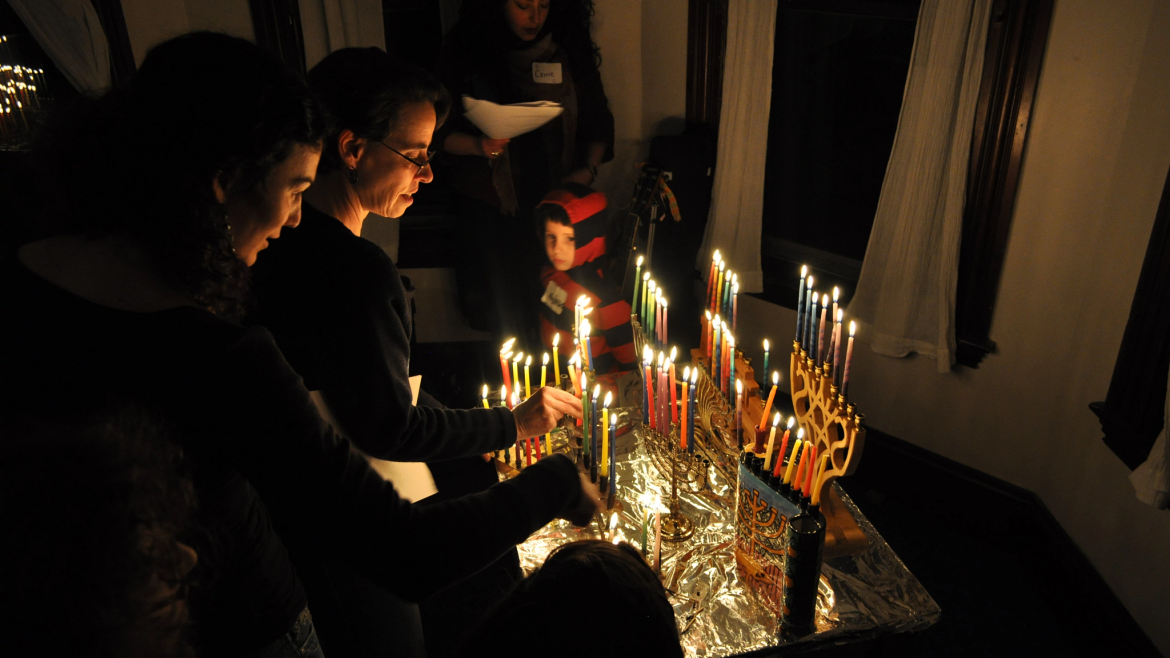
(544, 370)
(527, 379)
(556, 360)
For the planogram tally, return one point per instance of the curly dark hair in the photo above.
(93, 508)
(140, 160)
(365, 90)
(486, 39)
(610, 585)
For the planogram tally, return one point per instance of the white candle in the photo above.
(848, 359)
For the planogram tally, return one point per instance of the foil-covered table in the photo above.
(861, 596)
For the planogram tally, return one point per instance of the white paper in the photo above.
(412, 480)
(508, 121)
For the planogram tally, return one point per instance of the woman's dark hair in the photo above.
(604, 585)
(140, 160)
(92, 509)
(365, 90)
(485, 35)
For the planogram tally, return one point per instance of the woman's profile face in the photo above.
(256, 216)
(560, 245)
(525, 17)
(387, 180)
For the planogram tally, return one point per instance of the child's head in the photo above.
(556, 219)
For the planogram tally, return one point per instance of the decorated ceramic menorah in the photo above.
(833, 424)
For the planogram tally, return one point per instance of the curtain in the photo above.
(905, 298)
(71, 35)
(737, 198)
(1151, 480)
(329, 25)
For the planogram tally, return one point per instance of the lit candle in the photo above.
(641, 310)
(735, 304)
(613, 520)
(612, 457)
(544, 370)
(684, 438)
(713, 361)
(527, 379)
(800, 305)
(795, 454)
(659, 393)
(673, 385)
(593, 418)
(731, 362)
(711, 277)
(725, 295)
(485, 393)
(648, 417)
(648, 308)
(836, 295)
(771, 397)
(556, 360)
(516, 372)
(848, 359)
(586, 329)
(837, 347)
(766, 355)
(821, 351)
(503, 396)
(605, 435)
(692, 411)
(637, 279)
(665, 322)
(771, 443)
(809, 300)
(718, 290)
(783, 447)
(739, 412)
(573, 373)
(658, 316)
(505, 353)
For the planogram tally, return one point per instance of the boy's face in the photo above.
(559, 245)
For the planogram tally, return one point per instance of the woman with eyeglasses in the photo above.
(339, 312)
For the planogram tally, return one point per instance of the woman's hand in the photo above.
(491, 148)
(587, 505)
(539, 414)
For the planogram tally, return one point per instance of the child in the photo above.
(572, 226)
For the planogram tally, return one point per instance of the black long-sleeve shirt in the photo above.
(338, 310)
(275, 484)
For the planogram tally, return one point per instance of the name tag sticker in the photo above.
(548, 73)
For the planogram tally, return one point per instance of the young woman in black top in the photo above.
(163, 192)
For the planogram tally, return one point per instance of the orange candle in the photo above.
(771, 397)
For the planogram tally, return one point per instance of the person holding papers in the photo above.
(514, 51)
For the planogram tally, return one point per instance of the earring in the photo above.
(352, 176)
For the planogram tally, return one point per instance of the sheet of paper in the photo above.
(508, 121)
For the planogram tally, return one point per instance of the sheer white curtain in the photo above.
(329, 25)
(71, 35)
(1151, 480)
(905, 297)
(737, 198)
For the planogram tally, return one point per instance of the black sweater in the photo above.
(275, 484)
(337, 308)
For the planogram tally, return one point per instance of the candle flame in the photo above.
(612, 421)
(545, 359)
(810, 282)
(503, 394)
(803, 271)
(661, 357)
(485, 390)
(507, 347)
(557, 339)
(852, 328)
(596, 391)
(765, 344)
(647, 354)
(618, 538)
(586, 328)
(519, 357)
(582, 300)
(608, 397)
(836, 293)
(716, 255)
(686, 373)
(663, 301)
(673, 353)
(694, 376)
(651, 285)
(576, 359)
(613, 519)
(775, 378)
(507, 356)
(840, 314)
(735, 286)
(824, 300)
(646, 276)
(776, 419)
(528, 361)
(587, 311)
(791, 420)
(800, 434)
(720, 265)
(739, 387)
(716, 318)
(708, 314)
(639, 261)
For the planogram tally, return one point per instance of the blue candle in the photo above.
(799, 307)
(812, 330)
(692, 411)
(808, 302)
(731, 370)
(594, 420)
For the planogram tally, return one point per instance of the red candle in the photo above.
(783, 449)
(673, 393)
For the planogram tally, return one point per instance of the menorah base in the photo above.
(676, 526)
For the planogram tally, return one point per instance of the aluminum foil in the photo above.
(861, 596)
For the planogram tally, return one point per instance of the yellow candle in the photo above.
(771, 443)
(527, 379)
(548, 444)
(605, 437)
(544, 370)
(820, 479)
(556, 360)
(795, 453)
(485, 392)
(771, 397)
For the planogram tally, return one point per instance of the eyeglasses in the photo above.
(421, 164)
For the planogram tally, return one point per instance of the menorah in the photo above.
(828, 419)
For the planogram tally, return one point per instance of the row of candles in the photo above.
(18, 92)
(651, 307)
(805, 469)
(723, 291)
(822, 349)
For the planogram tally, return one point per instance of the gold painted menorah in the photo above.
(833, 424)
